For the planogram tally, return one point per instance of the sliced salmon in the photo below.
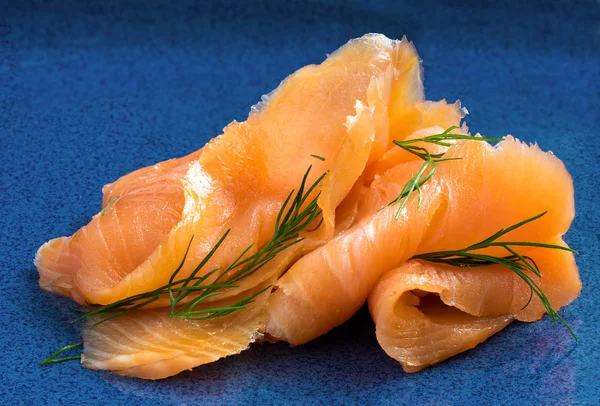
(338, 110)
(245, 174)
(340, 118)
(117, 239)
(426, 313)
(328, 285)
(465, 202)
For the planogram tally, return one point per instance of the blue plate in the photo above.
(92, 90)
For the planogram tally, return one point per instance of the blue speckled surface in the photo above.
(91, 92)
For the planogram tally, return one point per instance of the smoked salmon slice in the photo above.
(426, 313)
(466, 201)
(151, 345)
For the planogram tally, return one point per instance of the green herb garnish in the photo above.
(53, 360)
(114, 199)
(430, 162)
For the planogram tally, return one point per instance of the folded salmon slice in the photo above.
(465, 202)
(338, 110)
(115, 241)
(426, 313)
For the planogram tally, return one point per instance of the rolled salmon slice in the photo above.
(425, 313)
(465, 202)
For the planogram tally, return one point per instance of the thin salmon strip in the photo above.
(426, 313)
(491, 188)
(465, 202)
(149, 344)
(327, 286)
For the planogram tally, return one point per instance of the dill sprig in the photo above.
(295, 215)
(53, 360)
(430, 162)
(519, 264)
(114, 199)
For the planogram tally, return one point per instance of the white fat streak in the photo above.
(359, 108)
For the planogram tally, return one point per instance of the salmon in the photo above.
(241, 178)
(149, 344)
(146, 177)
(426, 313)
(339, 110)
(465, 202)
(63, 262)
(338, 120)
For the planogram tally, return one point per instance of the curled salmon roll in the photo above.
(425, 313)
